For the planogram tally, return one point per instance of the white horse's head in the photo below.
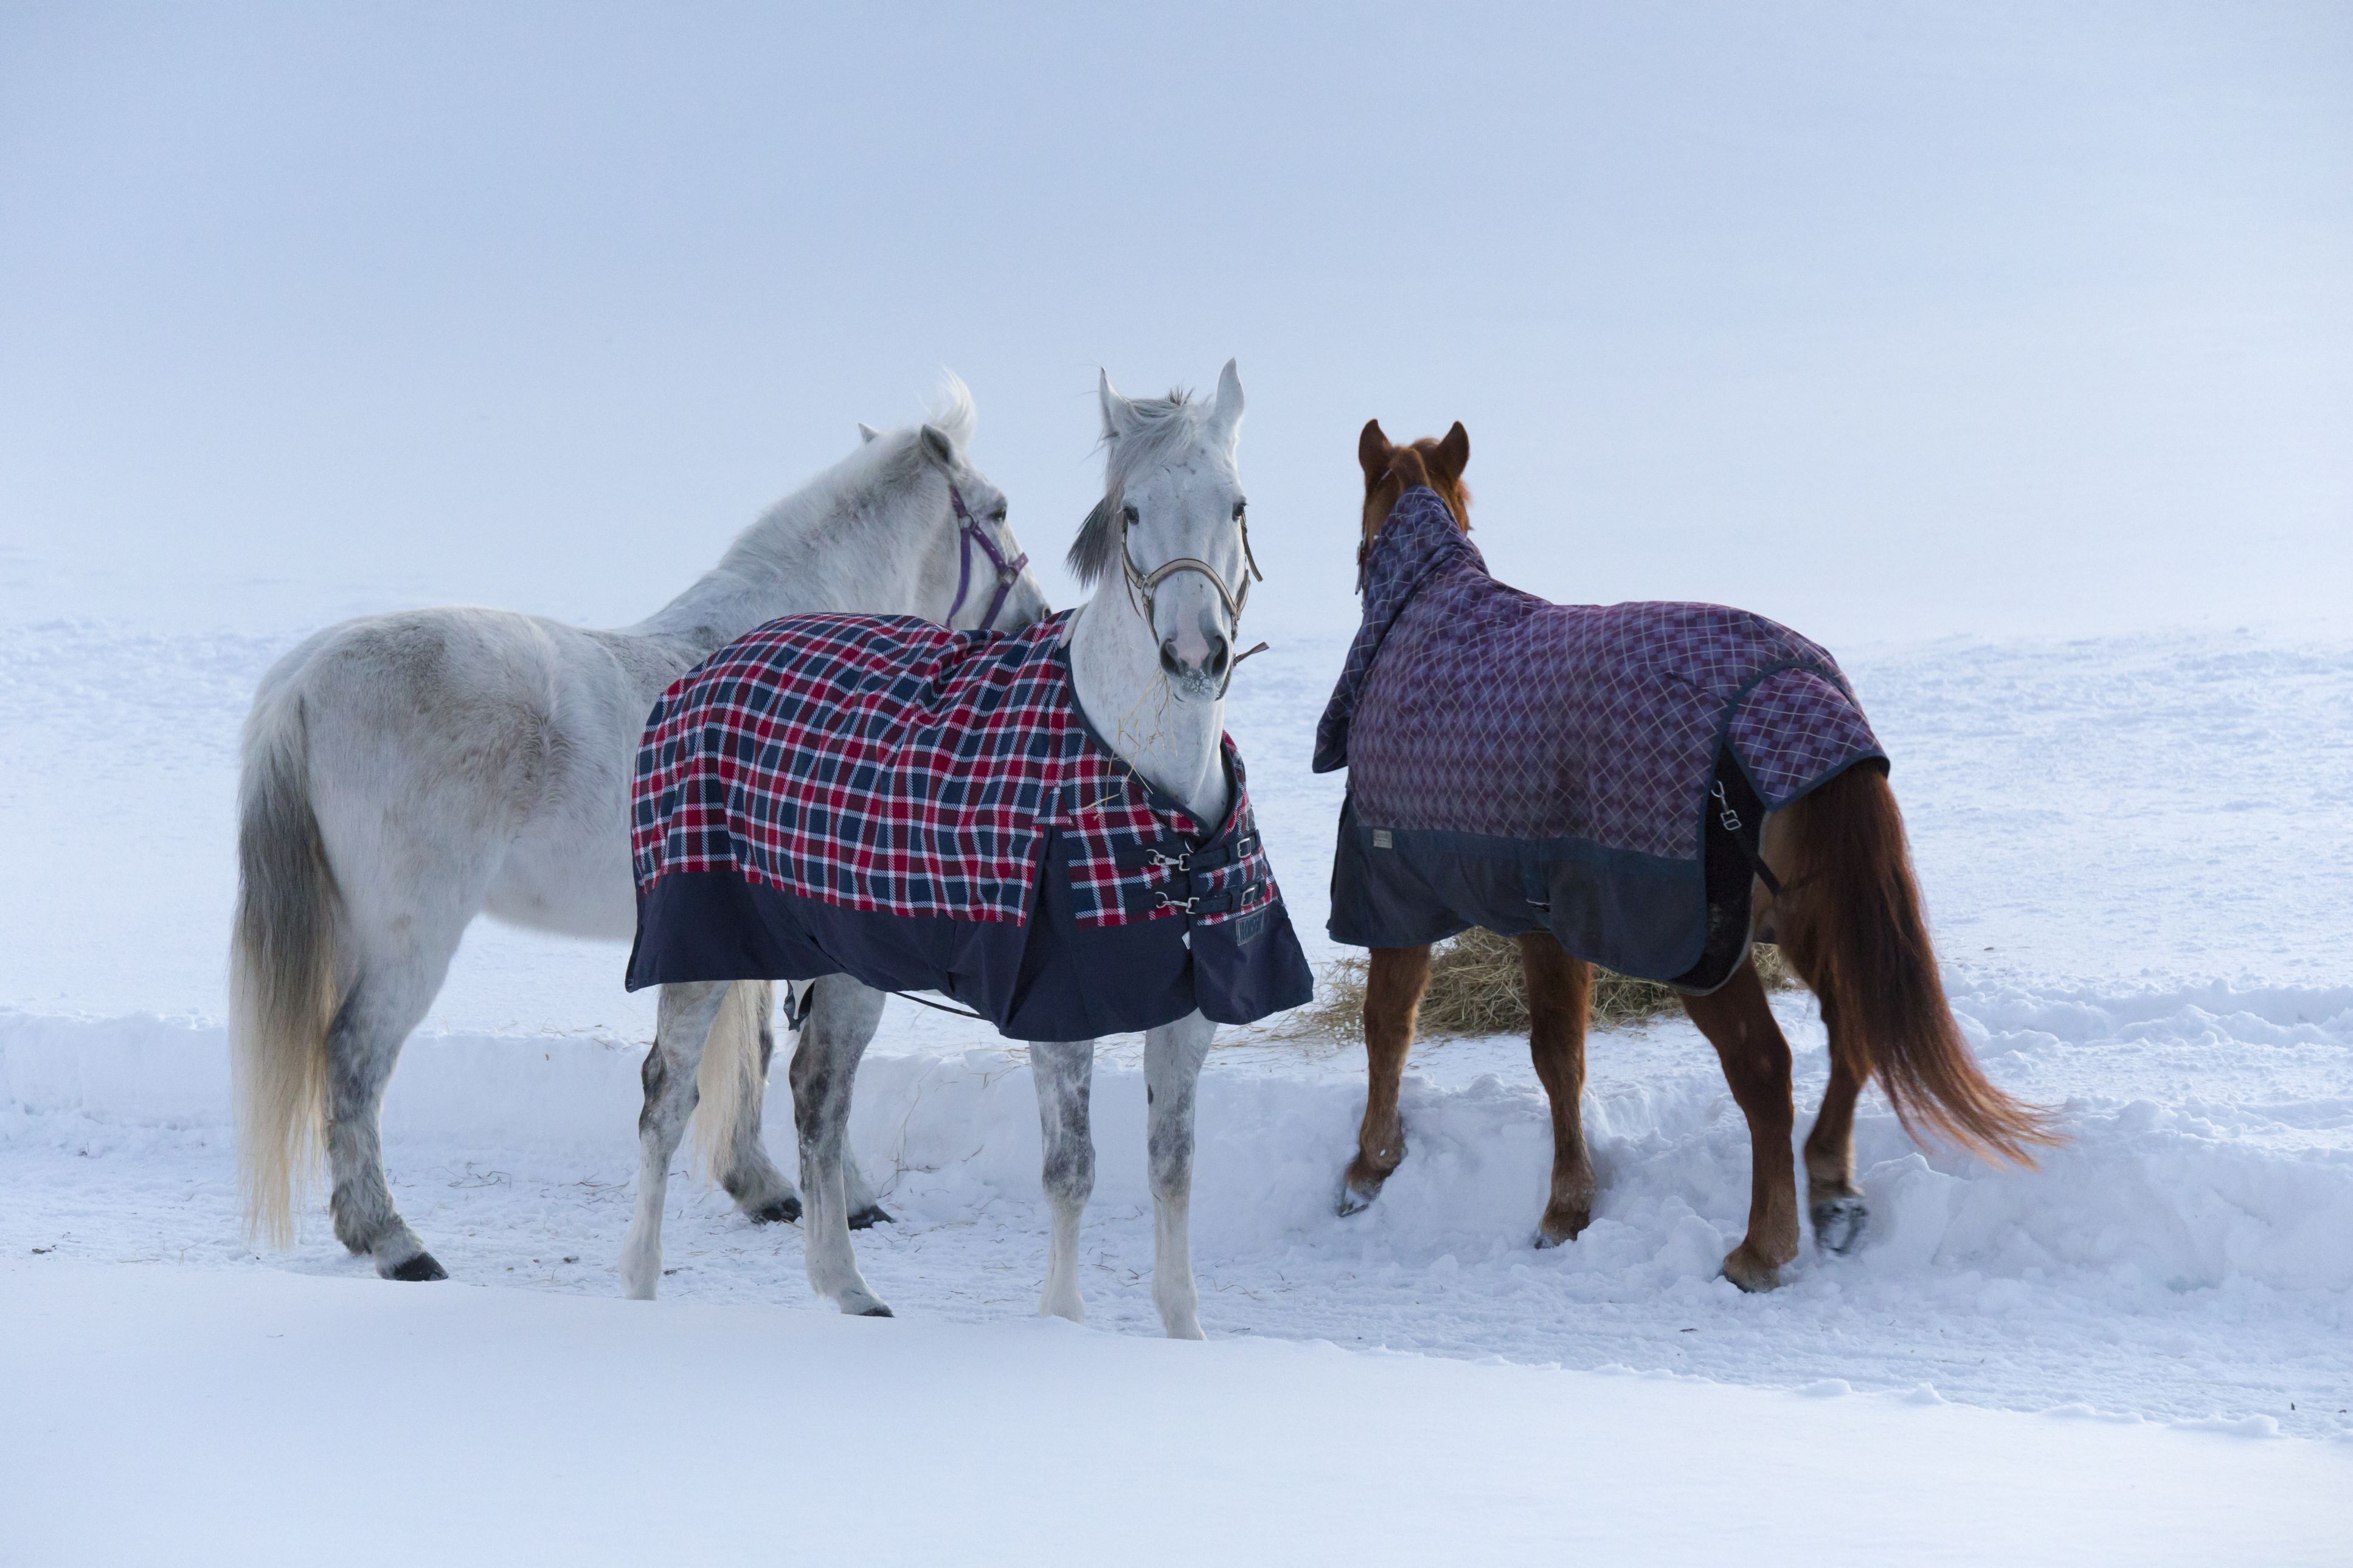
(974, 573)
(1170, 534)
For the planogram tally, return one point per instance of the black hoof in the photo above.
(876, 1312)
(417, 1269)
(869, 1216)
(1355, 1198)
(784, 1211)
(1838, 1224)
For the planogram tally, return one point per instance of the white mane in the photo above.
(795, 540)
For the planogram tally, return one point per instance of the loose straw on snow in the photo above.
(1476, 988)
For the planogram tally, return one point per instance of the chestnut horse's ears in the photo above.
(1373, 450)
(1453, 453)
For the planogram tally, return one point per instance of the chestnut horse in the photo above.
(1847, 916)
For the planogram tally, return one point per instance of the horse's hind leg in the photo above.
(841, 1020)
(1740, 1024)
(1395, 979)
(1064, 1072)
(1173, 1055)
(750, 1178)
(1560, 1002)
(683, 1024)
(1834, 1201)
(387, 999)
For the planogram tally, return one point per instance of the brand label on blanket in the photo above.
(1381, 839)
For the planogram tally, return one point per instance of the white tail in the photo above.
(733, 1078)
(282, 975)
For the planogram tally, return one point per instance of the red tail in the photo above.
(1855, 931)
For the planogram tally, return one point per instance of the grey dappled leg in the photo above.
(865, 1208)
(860, 1006)
(1064, 1071)
(363, 1045)
(751, 1178)
(1173, 1056)
(682, 1023)
(841, 1020)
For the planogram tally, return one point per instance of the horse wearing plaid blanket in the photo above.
(1050, 828)
(1648, 786)
(404, 774)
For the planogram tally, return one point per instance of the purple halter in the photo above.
(1007, 572)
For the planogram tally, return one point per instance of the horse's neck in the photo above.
(1173, 744)
(845, 551)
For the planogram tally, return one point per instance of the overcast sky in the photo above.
(1893, 322)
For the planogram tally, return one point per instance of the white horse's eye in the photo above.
(1128, 516)
(1241, 507)
(998, 515)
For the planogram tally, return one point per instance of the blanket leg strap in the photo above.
(800, 999)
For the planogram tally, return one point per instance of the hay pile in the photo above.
(1476, 988)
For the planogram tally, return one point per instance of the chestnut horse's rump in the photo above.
(1599, 770)
(929, 810)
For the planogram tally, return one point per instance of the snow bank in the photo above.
(2246, 1181)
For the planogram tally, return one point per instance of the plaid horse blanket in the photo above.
(930, 810)
(1601, 771)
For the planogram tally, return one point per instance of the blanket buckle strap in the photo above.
(1728, 818)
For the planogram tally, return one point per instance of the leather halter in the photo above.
(1007, 572)
(1141, 584)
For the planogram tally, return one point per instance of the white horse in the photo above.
(404, 774)
(1151, 655)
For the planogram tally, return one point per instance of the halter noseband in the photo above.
(1141, 584)
(1007, 572)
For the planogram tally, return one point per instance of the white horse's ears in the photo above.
(934, 444)
(866, 432)
(1226, 414)
(1118, 416)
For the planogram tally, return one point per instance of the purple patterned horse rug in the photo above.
(928, 810)
(1598, 770)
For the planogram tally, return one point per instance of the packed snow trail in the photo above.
(263, 1416)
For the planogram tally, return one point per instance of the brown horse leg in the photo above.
(1560, 1001)
(1832, 1200)
(1739, 1024)
(1393, 987)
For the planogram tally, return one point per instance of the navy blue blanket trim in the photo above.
(1050, 979)
(1682, 922)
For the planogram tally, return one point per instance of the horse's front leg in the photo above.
(1560, 1003)
(1173, 1055)
(1395, 979)
(841, 1020)
(683, 1024)
(1064, 1073)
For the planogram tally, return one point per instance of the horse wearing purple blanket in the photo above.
(1649, 787)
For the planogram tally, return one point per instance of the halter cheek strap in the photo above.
(1141, 584)
(1007, 572)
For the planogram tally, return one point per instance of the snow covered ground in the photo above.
(2141, 881)
(494, 1427)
